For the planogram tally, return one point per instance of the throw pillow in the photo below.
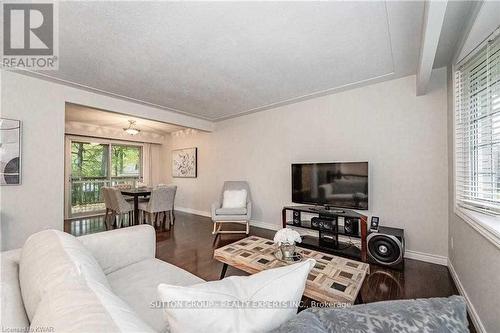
(234, 199)
(256, 303)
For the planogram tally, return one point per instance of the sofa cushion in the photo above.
(51, 259)
(137, 285)
(86, 307)
(256, 303)
(12, 308)
(420, 315)
(231, 211)
(115, 249)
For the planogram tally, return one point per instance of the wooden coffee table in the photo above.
(333, 280)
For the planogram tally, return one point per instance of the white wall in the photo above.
(161, 172)
(476, 262)
(403, 137)
(475, 259)
(37, 204)
(196, 194)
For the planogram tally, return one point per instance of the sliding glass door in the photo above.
(94, 164)
(89, 173)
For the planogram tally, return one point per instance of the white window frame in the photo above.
(488, 225)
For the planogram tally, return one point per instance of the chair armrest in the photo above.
(215, 205)
(119, 248)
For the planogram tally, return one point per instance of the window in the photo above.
(126, 161)
(94, 165)
(477, 136)
(89, 160)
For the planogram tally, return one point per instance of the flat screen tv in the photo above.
(343, 184)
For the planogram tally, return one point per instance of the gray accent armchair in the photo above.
(232, 215)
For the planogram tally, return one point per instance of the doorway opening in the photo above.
(101, 151)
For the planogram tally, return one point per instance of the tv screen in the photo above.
(343, 185)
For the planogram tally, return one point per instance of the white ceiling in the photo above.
(215, 60)
(86, 115)
(456, 12)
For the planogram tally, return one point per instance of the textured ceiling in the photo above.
(83, 114)
(219, 59)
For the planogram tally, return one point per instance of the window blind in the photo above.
(477, 128)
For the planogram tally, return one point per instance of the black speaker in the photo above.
(326, 225)
(296, 218)
(315, 223)
(387, 247)
(351, 226)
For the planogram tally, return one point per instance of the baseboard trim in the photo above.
(265, 225)
(470, 307)
(427, 257)
(193, 211)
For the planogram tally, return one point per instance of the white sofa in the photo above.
(108, 283)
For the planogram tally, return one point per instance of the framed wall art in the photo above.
(185, 163)
(10, 151)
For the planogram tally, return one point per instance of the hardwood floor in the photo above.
(190, 244)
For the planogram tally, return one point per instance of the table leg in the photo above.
(223, 273)
(136, 209)
(359, 299)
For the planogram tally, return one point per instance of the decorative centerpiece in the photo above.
(286, 239)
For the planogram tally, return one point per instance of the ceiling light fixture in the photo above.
(131, 129)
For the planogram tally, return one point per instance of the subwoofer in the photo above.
(386, 247)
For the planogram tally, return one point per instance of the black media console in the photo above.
(326, 223)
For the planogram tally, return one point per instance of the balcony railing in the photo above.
(86, 196)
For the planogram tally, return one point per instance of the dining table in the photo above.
(136, 193)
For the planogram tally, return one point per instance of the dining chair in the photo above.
(161, 201)
(124, 186)
(106, 196)
(120, 206)
(172, 212)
